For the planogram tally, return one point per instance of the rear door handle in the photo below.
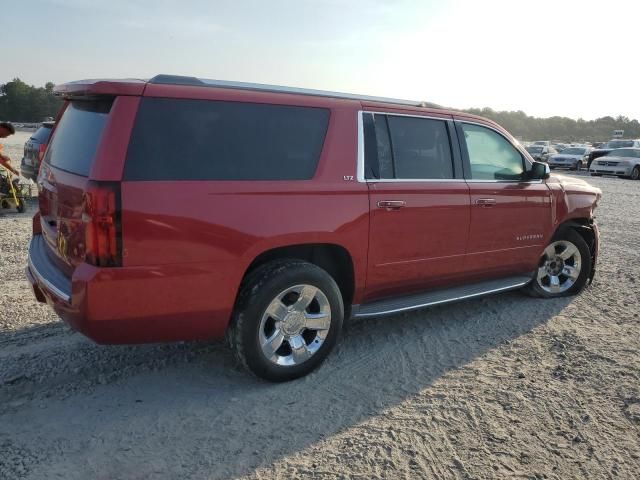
(391, 204)
(486, 202)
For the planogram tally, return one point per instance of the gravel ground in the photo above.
(505, 386)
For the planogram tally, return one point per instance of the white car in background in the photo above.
(573, 158)
(623, 162)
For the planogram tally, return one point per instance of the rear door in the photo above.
(64, 177)
(510, 216)
(419, 203)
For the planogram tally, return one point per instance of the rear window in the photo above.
(41, 135)
(213, 140)
(77, 135)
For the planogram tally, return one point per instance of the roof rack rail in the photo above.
(164, 79)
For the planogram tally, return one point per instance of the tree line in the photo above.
(561, 129)
(24, 103)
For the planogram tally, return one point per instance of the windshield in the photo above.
(619, 144)
(621, 152)
(573, 151)
(534, 149)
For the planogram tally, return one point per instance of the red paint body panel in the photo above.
(507, 238)
(421, 245)
(186, 245)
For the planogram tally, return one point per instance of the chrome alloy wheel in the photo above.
(295, 325)
(560, 267)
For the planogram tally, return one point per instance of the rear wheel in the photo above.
(564, 267)
(287, 319)
(635, 173)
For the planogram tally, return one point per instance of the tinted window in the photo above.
(491, 156)
(574, 151)
(620, 143)
(623, 152)
(77, 135)
(211, 140)
(41, 135)
(420, 148)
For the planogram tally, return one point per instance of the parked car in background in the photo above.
(540, 153)
(622, 162)
(612, 145)
(573, 158)
(34, 150)
(270, 215)
(559, 147)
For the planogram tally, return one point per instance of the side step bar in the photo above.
(412, 302)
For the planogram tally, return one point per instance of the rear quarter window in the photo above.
(177, 139)
(74, 144)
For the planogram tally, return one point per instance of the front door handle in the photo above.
(391, 204)
(486, 202)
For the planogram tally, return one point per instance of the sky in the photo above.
(579, 59)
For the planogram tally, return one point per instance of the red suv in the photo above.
(187, 209)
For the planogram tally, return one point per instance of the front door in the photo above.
(510, 217)
(419, 204)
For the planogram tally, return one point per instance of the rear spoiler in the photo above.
(96, 87)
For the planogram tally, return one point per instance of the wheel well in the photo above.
(334, 259)
(583, 227)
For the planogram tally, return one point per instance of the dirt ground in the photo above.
(501, 387)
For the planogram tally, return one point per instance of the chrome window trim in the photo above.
(360, 160)
(360, 156)
(410, 180)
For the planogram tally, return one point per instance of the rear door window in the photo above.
(77, 135)
(177, 139)
(407, 148)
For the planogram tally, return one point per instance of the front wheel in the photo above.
(635, 173)
(287, 319)
(564, 267)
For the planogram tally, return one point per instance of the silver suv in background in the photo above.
(573, 158)
(623, 162)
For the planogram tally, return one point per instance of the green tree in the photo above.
(20, 102)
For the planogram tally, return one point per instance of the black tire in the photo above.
(635, 173)
(578, 166)
(566, 234)
(257, 291)
(21, 207)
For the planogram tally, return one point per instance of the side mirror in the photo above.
(539, 171)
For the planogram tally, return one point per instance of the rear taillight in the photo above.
(101, 217)
(41, 150)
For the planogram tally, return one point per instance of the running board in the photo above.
(412, 302)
